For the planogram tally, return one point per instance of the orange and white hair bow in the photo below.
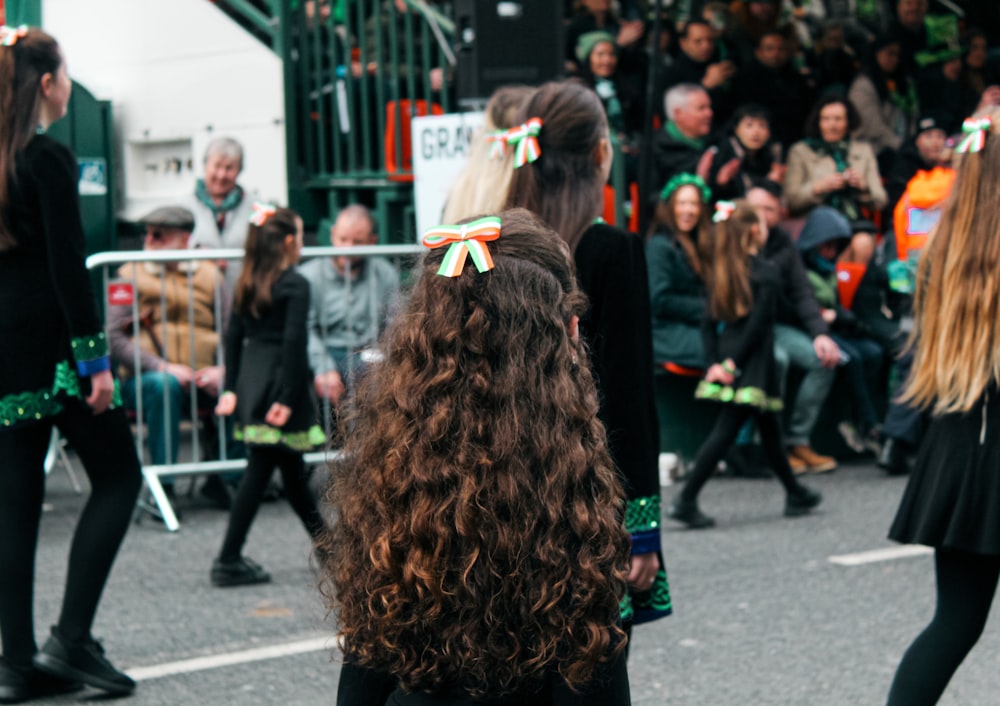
(10, 35)
(464, 240)
(975, 130)
(261, 212)
(723, 210)
(498, 142)
(524, 138)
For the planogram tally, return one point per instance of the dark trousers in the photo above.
(107, 450)
(903, 422)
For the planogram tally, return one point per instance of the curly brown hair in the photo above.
(479, 539)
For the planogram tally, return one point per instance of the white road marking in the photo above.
(257, 654)
(876, 555)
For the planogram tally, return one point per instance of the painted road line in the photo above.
(875, 555)
(257, 654)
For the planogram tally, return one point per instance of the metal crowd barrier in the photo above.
(108, 264)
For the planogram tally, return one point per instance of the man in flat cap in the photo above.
(177, 335)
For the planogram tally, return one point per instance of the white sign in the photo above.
(441, 145)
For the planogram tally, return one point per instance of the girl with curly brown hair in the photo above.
(479, 552)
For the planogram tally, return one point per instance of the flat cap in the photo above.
(170, 217)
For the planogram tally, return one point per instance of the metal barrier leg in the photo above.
(162, 503)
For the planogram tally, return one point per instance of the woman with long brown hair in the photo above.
(565, 185)
(952, 500)
(738, 331)
(54, 371)
(478, 551)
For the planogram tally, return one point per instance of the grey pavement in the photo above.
(761, 615)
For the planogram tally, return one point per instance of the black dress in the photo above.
(51, 335)
(267, 362)
(952, 499)
(749, 342)
(611, 270)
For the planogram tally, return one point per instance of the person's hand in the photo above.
(226, 404)
(630, 33)
(727, 171)
(718, 74)
(777, 172)
(829, 184)
(642, 571)
(827, 351)
(210, 379)
(705, 163)
(102, 388)
(437, 79)
(183, 373)
(990, 97)
(855, 179)
(223, 265)
(330, 386)
(716, 373)
(278, 415)
(829, 315)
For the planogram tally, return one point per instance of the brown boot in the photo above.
(798, 465)
(813, 461)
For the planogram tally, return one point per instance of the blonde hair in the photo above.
(483, 184)
(956, 342)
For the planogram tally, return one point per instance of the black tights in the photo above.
(721, 438)
(107, 450)
(261, 464)
(965, 587)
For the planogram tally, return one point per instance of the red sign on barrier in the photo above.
(120, 294)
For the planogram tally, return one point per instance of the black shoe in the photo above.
(801, 501)
(689, 514)
(83, 662)
(242, 572)
(743, 462)
(217, 492)
(18, 684)
(893, 457)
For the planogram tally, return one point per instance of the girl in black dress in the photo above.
(268, 385)
(952, 500)
(738, 332)
(54, 371)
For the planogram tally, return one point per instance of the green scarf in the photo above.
(232, 200)
(675, 132)
(608, 94)
(843, 201)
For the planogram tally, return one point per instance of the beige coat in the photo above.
(805, 167)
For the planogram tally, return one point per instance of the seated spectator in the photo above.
(861, 21)
(595, 15)
(925, 150)
(886, 100)
(826, 244)
(681, 146)
(829, 168)
(349, 301)
(618, 91)
(801, 336)
(746, 156)
(676, 260)
(752, 19)
(977, 71)
(177, 352)
(699, 63)
(909, 26)
(771, 80)
(940, 85)
(220, 206)
(716, 14)
(832, 61)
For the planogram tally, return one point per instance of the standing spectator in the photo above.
(267, 386)
(676, 260)
(699, 63)
(348, 304)
(886, 101)
(564, 187)
(477, 438)
(220, 206)
(801, 337)
(771, 80)
(950, 502)
(747, 156)
(55, 372)
(828, 167)
(177, 335)
(680, 147)
(739, 344)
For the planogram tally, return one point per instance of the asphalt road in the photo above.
(762, 616)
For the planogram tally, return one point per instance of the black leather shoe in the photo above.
(242, 572)
(893, 457)
(83, 662)
(801, 501)
(19, 684)
(689, 514)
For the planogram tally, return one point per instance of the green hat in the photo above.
(586, 43)
(685, 179)
(942, 40)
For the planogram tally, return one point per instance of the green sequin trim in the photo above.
(87, 348)
(750, 396)
(31, 406)
(642, 514)
(652, 604)
(266, 435)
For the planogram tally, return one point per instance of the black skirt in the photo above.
(952, 500)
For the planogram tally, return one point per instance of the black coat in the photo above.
(784, 92)
(797, 304)
(753, 168)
